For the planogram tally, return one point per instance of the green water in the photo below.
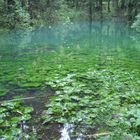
(40, 59)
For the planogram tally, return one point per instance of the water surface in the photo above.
(102, 44)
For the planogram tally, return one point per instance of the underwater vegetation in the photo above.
(12, 116)
(94, 83)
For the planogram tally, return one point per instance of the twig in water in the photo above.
(20, 99)
(95, 135)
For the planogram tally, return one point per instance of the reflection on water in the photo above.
(65, 132)
(103, 35)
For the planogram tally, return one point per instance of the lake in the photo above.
(76, 77)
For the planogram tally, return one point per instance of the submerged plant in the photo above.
(12, 115)
(95, 99)
(95, 82)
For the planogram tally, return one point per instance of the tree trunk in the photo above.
(122, 4)
(100, 5)
(30, 7)
(10, 5)
(90, 14)
(90, 10)
(76, 4)
(108, 6)
(116, 6)
(24, 3)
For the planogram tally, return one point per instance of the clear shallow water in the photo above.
(107, 43)
(102, 41)
(104, 38)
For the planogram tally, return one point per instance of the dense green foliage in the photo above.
(12, 115)
(14, 15)
(24, 13)
(136, 24)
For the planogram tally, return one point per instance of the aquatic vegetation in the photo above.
(99, 98)
(12, 115)
(94, 84)
(3, 91)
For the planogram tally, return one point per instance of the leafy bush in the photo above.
(16, 16)
(136, 23)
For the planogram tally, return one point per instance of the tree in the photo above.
(136, 24)
(108, 6)
(25, 13)
(115, 5)
(15, 14)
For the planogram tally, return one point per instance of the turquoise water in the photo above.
(105, 38)
(107, 43)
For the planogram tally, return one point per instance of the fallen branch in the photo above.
(19, 99)
(94, 135)
(98, 135)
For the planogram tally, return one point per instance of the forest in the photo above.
(26, 13)
(69, 70)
